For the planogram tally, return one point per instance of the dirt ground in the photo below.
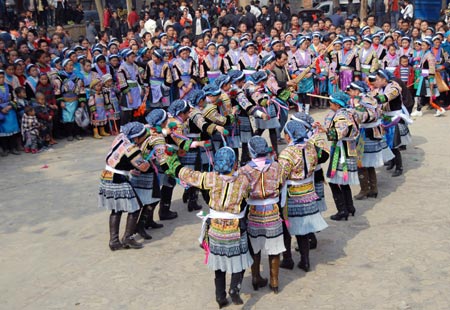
(394, 254)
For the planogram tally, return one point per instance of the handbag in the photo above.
(441, 85)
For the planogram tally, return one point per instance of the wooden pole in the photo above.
(318, 96)
(99, 6)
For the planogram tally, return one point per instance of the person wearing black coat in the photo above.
(199, 24)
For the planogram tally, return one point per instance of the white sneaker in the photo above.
(439, 112)
(417, 113)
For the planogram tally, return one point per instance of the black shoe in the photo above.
(235, 297)
(287, 263)
(340, 216)
(193, 205)
(397, 172)
(257, 283)
(391, 165)
(130, 243)
(141, 232)
(154, 225)
(168, 215)
(304, 265)
(351, 210)
(222, 302)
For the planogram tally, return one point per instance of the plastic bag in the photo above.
(82, 118)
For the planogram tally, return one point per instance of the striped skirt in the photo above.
(265, 229)
(117, 197)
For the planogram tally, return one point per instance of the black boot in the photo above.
(390, 164)
(114, 225)
(338, 198)
(150, 222)
(221, 295)
(128, 239)
(257, 280)
(303, 245)
(347, 192)
(312, 241)
(164, 205)
(193, 197)
(398, 163)
(287, 262)
(143, 219)
(185, 196)
(235, 288)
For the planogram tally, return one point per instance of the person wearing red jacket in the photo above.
(133, 18)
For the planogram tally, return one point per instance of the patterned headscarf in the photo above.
(296, 131)
(236, 75)
(306, 119)
(156, 117)
(195, 96)
(340, 98)
(211, 90)
(133, 130)
(257, 146)
(259, 76)
(178, 106)
(222, 80)
(224, 160)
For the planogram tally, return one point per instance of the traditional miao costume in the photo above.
(321, 80)
(369, 61)
(347, 66)
(183, 73)
(129, 85)
(110, 95)
(146, 184)
(272, 99)
(9, 124)
(225, 107)
(239, 98)
(115, 192)
(298, 197)
(442, 58)
(390, 62)
(211, 68)
(395, 121)
(249, 64)
(70, 90)
(415, 61)
(319, 140)
(30, 87)
(159, 78)
(100, 111)
(372, 148)
(427, 77)
(381, 52)
(302, 60)
(265, 227)
(232, 59)
(343, 132)
(100, 72)
(224, 233)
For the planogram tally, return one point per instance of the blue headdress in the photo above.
(195, 95)
(257, 146)
(133, 130)
(224, 160)
(178, 106)
(296, 131)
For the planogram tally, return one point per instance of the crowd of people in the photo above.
(188, 103)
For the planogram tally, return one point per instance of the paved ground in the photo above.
(394, 254)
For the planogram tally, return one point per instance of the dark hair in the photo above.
(19, 89)
(279, 54)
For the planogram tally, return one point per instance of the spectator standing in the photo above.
(133, 18)
(407, 10)
(379, 11)
(199, 24)
(352, 9)
(337, 19)
(394, 12)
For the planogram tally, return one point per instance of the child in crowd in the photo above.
(21, 102)
(45, 87)
(45, 116)
(99, 111)
(111, 98)
(405, 72)
(30, 130)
